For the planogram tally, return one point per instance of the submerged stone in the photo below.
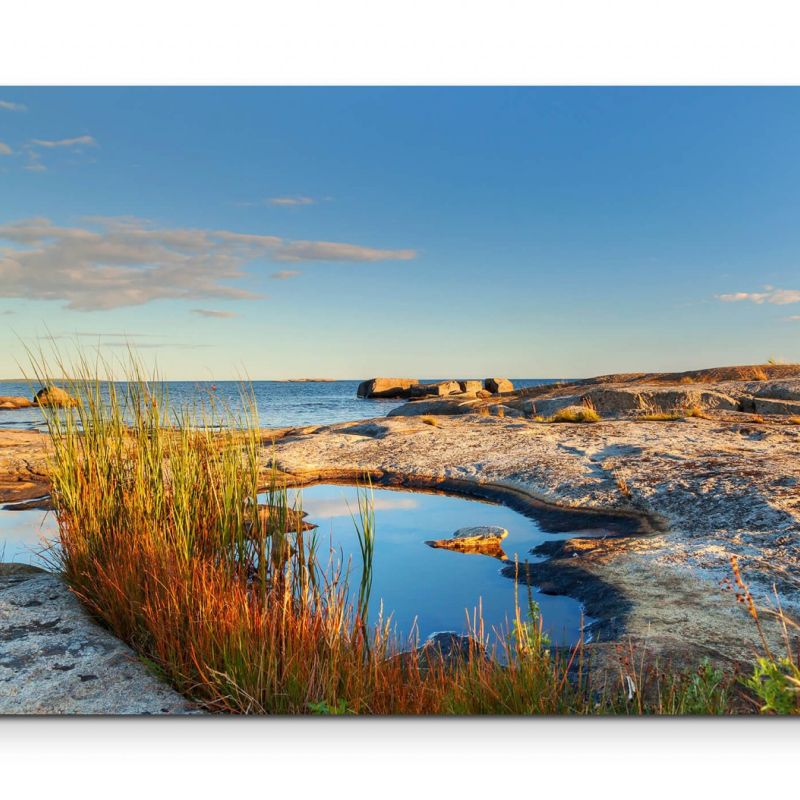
(483, 539)
(55, 397)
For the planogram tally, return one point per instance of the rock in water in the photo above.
(386, 387)
(483, 539)
(14, 402)
(498, 385)
(55, 397)
(294, 520)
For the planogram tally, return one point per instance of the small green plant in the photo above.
(324, 708)
(776, 684)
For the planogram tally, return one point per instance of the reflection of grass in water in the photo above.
(162, 539)
(365, 532)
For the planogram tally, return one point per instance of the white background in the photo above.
(409, 42)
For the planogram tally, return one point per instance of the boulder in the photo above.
(443, 406)
(470, 387)
(55, 397)
(294, 520)
(386, 387)
(483, 394)
(453, 648)
(634, 400)
(437, 389)
(443, 648)
(483, 539)
(498, 385)
(14, 402)
(444, 388)
(774, 390)
(763, 405)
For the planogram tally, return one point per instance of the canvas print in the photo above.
(399, 401)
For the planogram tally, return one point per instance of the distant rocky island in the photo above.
(409, 388)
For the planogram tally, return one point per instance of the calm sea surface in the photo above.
(279, 403)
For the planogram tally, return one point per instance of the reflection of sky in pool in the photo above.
(414, 581)
(23, 535)
(436, 587)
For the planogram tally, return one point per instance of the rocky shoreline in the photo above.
(54, 659)
(681, 474)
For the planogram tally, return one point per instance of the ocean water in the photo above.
(279, 403)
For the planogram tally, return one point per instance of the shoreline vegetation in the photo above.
(163, 540)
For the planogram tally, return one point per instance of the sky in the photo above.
(271, 233)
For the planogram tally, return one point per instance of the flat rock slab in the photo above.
(481, 539)
(55, 660)
(23, 465)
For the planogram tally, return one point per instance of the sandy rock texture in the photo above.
(23, 465)
(55, 660)
(708, 489)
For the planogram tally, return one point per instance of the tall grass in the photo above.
(162, 537)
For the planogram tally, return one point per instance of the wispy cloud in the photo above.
(77, 141)
(5, 150)
(126, 262)
(338, 251)
(7, 105)
(778, 297)
(208, 312)
(285, 274)
(291, 200)
(34, 148)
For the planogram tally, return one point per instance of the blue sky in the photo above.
(422, 232)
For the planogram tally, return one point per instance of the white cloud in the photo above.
(5, 150)
(7, 105)
(778, 297)
(285, 274)
(207, 312)
(296, 200)
(126, 261)
(77, 141)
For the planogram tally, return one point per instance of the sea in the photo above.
(278, 404)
